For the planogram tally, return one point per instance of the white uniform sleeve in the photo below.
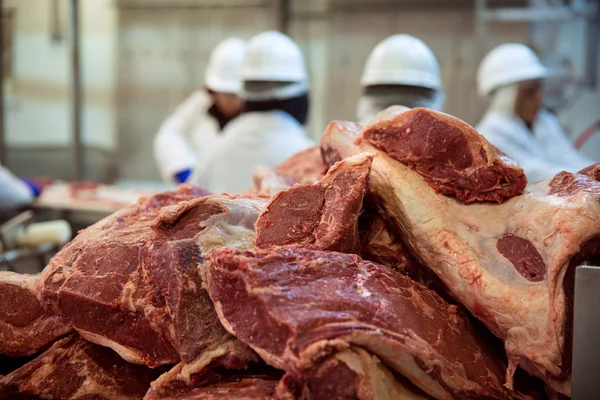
(13, 192)
(203, 170)
(172, 148)
(566, 154)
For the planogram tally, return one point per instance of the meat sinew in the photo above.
(137, 273)
(183, 234)
(352, 373)
(227, 363)
(323, 215)
(74, 369)
(452, 157)
(510, 264)
(100, 281)
(295, 307)
(25, 328)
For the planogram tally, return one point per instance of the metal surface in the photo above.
(76, 95)
(586, 334)
(2, 143)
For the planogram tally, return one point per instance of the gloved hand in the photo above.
(182, 176)
(33, 186)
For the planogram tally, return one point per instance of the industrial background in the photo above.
(140, 58)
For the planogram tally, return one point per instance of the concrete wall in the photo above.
(37, 112)
(162, 55)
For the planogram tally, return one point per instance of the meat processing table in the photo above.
(85, 204)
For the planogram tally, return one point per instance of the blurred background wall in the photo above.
(141, 58)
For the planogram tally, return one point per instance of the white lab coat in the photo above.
(189, 134)
(542, 154)
(13, 192)
(252, 139)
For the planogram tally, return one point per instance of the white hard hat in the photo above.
(507, 64)
(272, 56)
(224, 71)
(402, 60)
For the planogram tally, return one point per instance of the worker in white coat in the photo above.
(194, 128)
(14, 192)
(401, 70)
(511, 77)
(271, 127)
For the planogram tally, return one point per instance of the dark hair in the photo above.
(297, 107)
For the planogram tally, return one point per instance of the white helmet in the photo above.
(224, 71)
(402, 60)
(507, 64)
(273, 56)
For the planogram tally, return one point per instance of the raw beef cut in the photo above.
(295, 307)
(593, 171)
(349, 374)
(182, 234)
(73, 369)
(228, 362)
(25, 328)
(322, 215)
(236, 387)
(305, 167)
(101, 282)
(452, 157)
(509, 264)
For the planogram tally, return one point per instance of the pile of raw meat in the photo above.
(404, 259)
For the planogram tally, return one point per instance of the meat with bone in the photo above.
(74, 369)
(25, 328)
(321, 216)
(508, 264)
(450, 155)
(101, 282)
(295, 307)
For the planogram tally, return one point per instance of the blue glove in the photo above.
(34, 188)
(183, 176)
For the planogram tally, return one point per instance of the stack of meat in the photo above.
(383, 268)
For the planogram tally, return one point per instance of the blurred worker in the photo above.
(270, 128)
(15, 192)
(192, 131)
(516, 122)
(401, 70)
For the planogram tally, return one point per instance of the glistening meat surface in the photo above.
(74, 369)
(101, 282)
(323, 215)
(295, 306)
(25, 328)
(490, 255)
(451, 156)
